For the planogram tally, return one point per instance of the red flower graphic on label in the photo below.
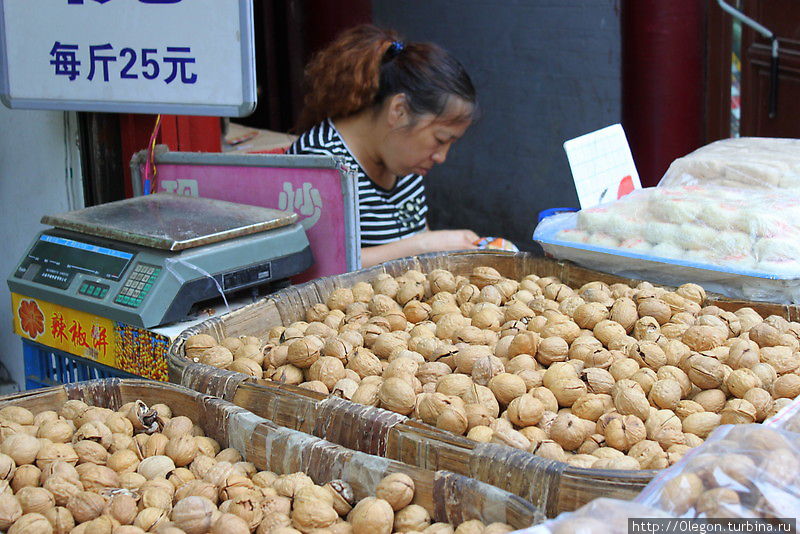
(31, 318)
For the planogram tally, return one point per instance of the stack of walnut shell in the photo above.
(92, 470)
(603, 376)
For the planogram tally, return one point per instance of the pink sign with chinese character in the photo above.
(315, 194)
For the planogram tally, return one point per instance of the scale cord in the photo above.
(150, 184)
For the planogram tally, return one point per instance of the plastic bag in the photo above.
(752, 162)
(737, 242)
(741, 471)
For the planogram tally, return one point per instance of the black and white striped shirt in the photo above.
(386, 215)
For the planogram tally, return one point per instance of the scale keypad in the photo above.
(138, 285)
(91, 289)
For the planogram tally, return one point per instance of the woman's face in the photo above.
(419, 145)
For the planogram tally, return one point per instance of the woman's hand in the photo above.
(427, 241)
(442, 240)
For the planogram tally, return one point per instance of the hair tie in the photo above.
(393, 51)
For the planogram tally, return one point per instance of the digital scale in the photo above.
(151, 260)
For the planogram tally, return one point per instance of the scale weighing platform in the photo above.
(148, 261)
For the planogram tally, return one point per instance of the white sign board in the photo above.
(602, 166)
(188, 57)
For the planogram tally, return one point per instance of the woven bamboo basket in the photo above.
(447, 496)
(553, 487)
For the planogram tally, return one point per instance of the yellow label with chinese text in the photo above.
(65, 329)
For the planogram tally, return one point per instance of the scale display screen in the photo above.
(68, 255)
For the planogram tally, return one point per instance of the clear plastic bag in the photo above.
(742, 243)
(751, 162)
(741, 471)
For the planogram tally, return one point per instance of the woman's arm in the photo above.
(436, 241)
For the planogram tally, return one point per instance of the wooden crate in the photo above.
(446, 496)
(553, 487)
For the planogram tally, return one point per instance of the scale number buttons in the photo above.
(91, 289)
(138, 285)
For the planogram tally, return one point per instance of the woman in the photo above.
(391, 111)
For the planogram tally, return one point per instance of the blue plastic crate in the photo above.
(46, 367)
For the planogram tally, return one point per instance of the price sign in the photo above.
(189, 57)
(602, 166)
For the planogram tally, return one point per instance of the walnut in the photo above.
(525, 410)
(623, 369)
(622, 433)
(624, 463)
(629, 399)
(365, 363)
(551, 450)
(25, 476)
(592, 405)
(646, 329)
(681, 493)
(740, 381)
(608, 330)
(712, 400)
(704, 371)
(765, 335)
(288, 485)
(194, 515)
(665, 394)
(645, 377)
(655, 308)
(766, 373)
(703, 337)
(193, 347)
(31, 523)
(648, 453)
(86, 506)
(671, 372)
(372, 515)
(624, 312)
(229, 524)
(568, 390)
(761, 400)
(22, 448)
(701, 424)
(547, 398)
(397, 395)
(692, 292)
(305, 351)
(647, 354)
(665, 427)
(738, 412)
(506, 387)
(314, 514)
(453, 420)
(411, 518)
(589, 314)
(717, 502)
(781, 358)
(598, 380)
(568, 431)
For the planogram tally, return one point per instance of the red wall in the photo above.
(662, 81)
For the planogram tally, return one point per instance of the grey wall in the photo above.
(39, 174)
(545, 71)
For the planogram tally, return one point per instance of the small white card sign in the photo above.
(602, 166)
(188, 57)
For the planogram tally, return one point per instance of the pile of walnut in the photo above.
(609, 377)
(92, 470)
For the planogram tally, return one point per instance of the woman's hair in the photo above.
(365, 65)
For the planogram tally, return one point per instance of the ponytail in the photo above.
(365, 65)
